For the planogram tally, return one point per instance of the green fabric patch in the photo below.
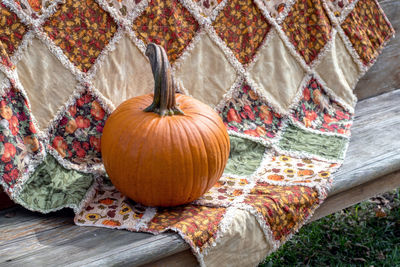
(245, 156)
(52, 186)
(327, 146)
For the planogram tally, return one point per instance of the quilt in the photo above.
(280, 73)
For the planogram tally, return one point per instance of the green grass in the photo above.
(367, 234)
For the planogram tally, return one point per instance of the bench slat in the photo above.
(374, 149)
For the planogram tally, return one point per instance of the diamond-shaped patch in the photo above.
(81, 29)
(129, 78)
(343, 80)
(317, 111)
(367, 30)
(247, 113)
(242, 27)
(11, 31)
(213, 79)
(308, 28)
(277, 72)
(167, 23)
(76, 135)
(45, 80)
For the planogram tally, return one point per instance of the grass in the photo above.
(367, 234)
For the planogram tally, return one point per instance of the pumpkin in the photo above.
(164, 149)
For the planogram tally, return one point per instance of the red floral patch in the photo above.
(247, 113)
(317, 111)
(18, 139)
(78, 134)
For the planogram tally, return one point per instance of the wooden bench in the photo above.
(372, 166)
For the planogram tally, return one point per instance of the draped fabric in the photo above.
(280, 73)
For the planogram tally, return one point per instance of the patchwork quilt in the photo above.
(280, 73)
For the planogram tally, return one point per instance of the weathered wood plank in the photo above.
(357, 194)
(154, 248)
(181, 259)
(374, 149)
(384, 76)
(51, 248)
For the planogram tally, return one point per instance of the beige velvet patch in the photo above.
(47, 82)
(339, 71)
(124, 74)
(242, 238)
(206, 73)
(277, 73)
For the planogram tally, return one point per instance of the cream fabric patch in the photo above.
(241, 238)
(46, 81)
(2, 76)
(277, 73)
(125, 73)
(339, 71)
(206, 73)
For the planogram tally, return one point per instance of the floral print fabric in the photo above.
(77, 136)
(95, 26)
(283, 208)
(247, 113)
(111, 209)
(367, 30)
(11, 31)
(168, 24)
(308, 28)
(242, 34)
(284, 169)
(19, 142)
(317, 111)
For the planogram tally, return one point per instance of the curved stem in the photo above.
(164, 86)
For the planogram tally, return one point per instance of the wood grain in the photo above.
(357, 194)
(374, 148)
(32, 239)
(384, 75)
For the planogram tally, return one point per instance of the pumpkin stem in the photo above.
(164, 85)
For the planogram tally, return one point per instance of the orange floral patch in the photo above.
(295, 170)
(11, 33)
(198, 223)
(112, 223)
(168, 24)
(367, 30)
(81, 29)
(242, 27)
(308, 28)
(283, 207)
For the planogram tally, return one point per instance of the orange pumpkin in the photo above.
(164, 149)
